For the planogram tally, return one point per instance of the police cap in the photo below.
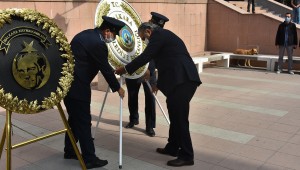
(159, 19)
(113, 24)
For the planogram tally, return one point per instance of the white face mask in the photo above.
(287, 19)
(146, 41)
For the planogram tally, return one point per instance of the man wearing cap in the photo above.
(178, 80)
(133, 86)
(91, 55)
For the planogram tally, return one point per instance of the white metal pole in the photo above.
(101, 111)
(121, 114)
(158, 103)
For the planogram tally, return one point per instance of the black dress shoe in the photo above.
(150, 132)
(96, 163)
(131, 124)
(179, 162)
(163, 151)
(70, 156)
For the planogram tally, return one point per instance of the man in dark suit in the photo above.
(133, 87)
(286, 39)
(91, 55)
(178, 80)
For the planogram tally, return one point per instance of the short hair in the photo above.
(147, 25)
(40, 61)
(288, 13)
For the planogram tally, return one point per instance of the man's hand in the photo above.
(146, 76)
(120, 71)
(121, 92)
(154, 89)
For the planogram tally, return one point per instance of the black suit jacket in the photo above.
(172, 60)
(292, 34)
(91, 55)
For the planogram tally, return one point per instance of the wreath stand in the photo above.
(121, 115)
(104, 101)
(7, 135)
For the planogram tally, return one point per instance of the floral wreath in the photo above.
(12, 103)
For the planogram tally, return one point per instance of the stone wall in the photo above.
(187, 17)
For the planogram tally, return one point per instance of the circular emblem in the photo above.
(126, 41)
(36, 62)
(31, 69)
(128, 45)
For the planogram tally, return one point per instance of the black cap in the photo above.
(159, 19)
(113, 24)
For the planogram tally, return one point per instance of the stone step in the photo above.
(258, 9)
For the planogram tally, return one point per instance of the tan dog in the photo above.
(252, 51)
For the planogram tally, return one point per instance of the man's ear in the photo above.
(141, 34)
(149, 31)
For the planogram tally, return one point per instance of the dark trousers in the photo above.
(289, 50)
(253, 5)
(178, 103)
(80, 123)
(133, 87)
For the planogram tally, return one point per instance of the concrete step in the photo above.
(259, 9)
(278, 9)
(243, 5)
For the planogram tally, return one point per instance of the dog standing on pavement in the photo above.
(252, 51)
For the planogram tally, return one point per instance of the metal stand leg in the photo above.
(158, 103)
(8, 140)
(2, 140)
(100, 115)
(7, 135)
(120, 142)
(71, 136)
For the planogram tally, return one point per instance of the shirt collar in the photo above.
(102, 39)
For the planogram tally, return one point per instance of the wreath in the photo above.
(26, 101)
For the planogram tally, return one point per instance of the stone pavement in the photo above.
(239, 119)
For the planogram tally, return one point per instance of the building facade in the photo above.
(187, 17)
